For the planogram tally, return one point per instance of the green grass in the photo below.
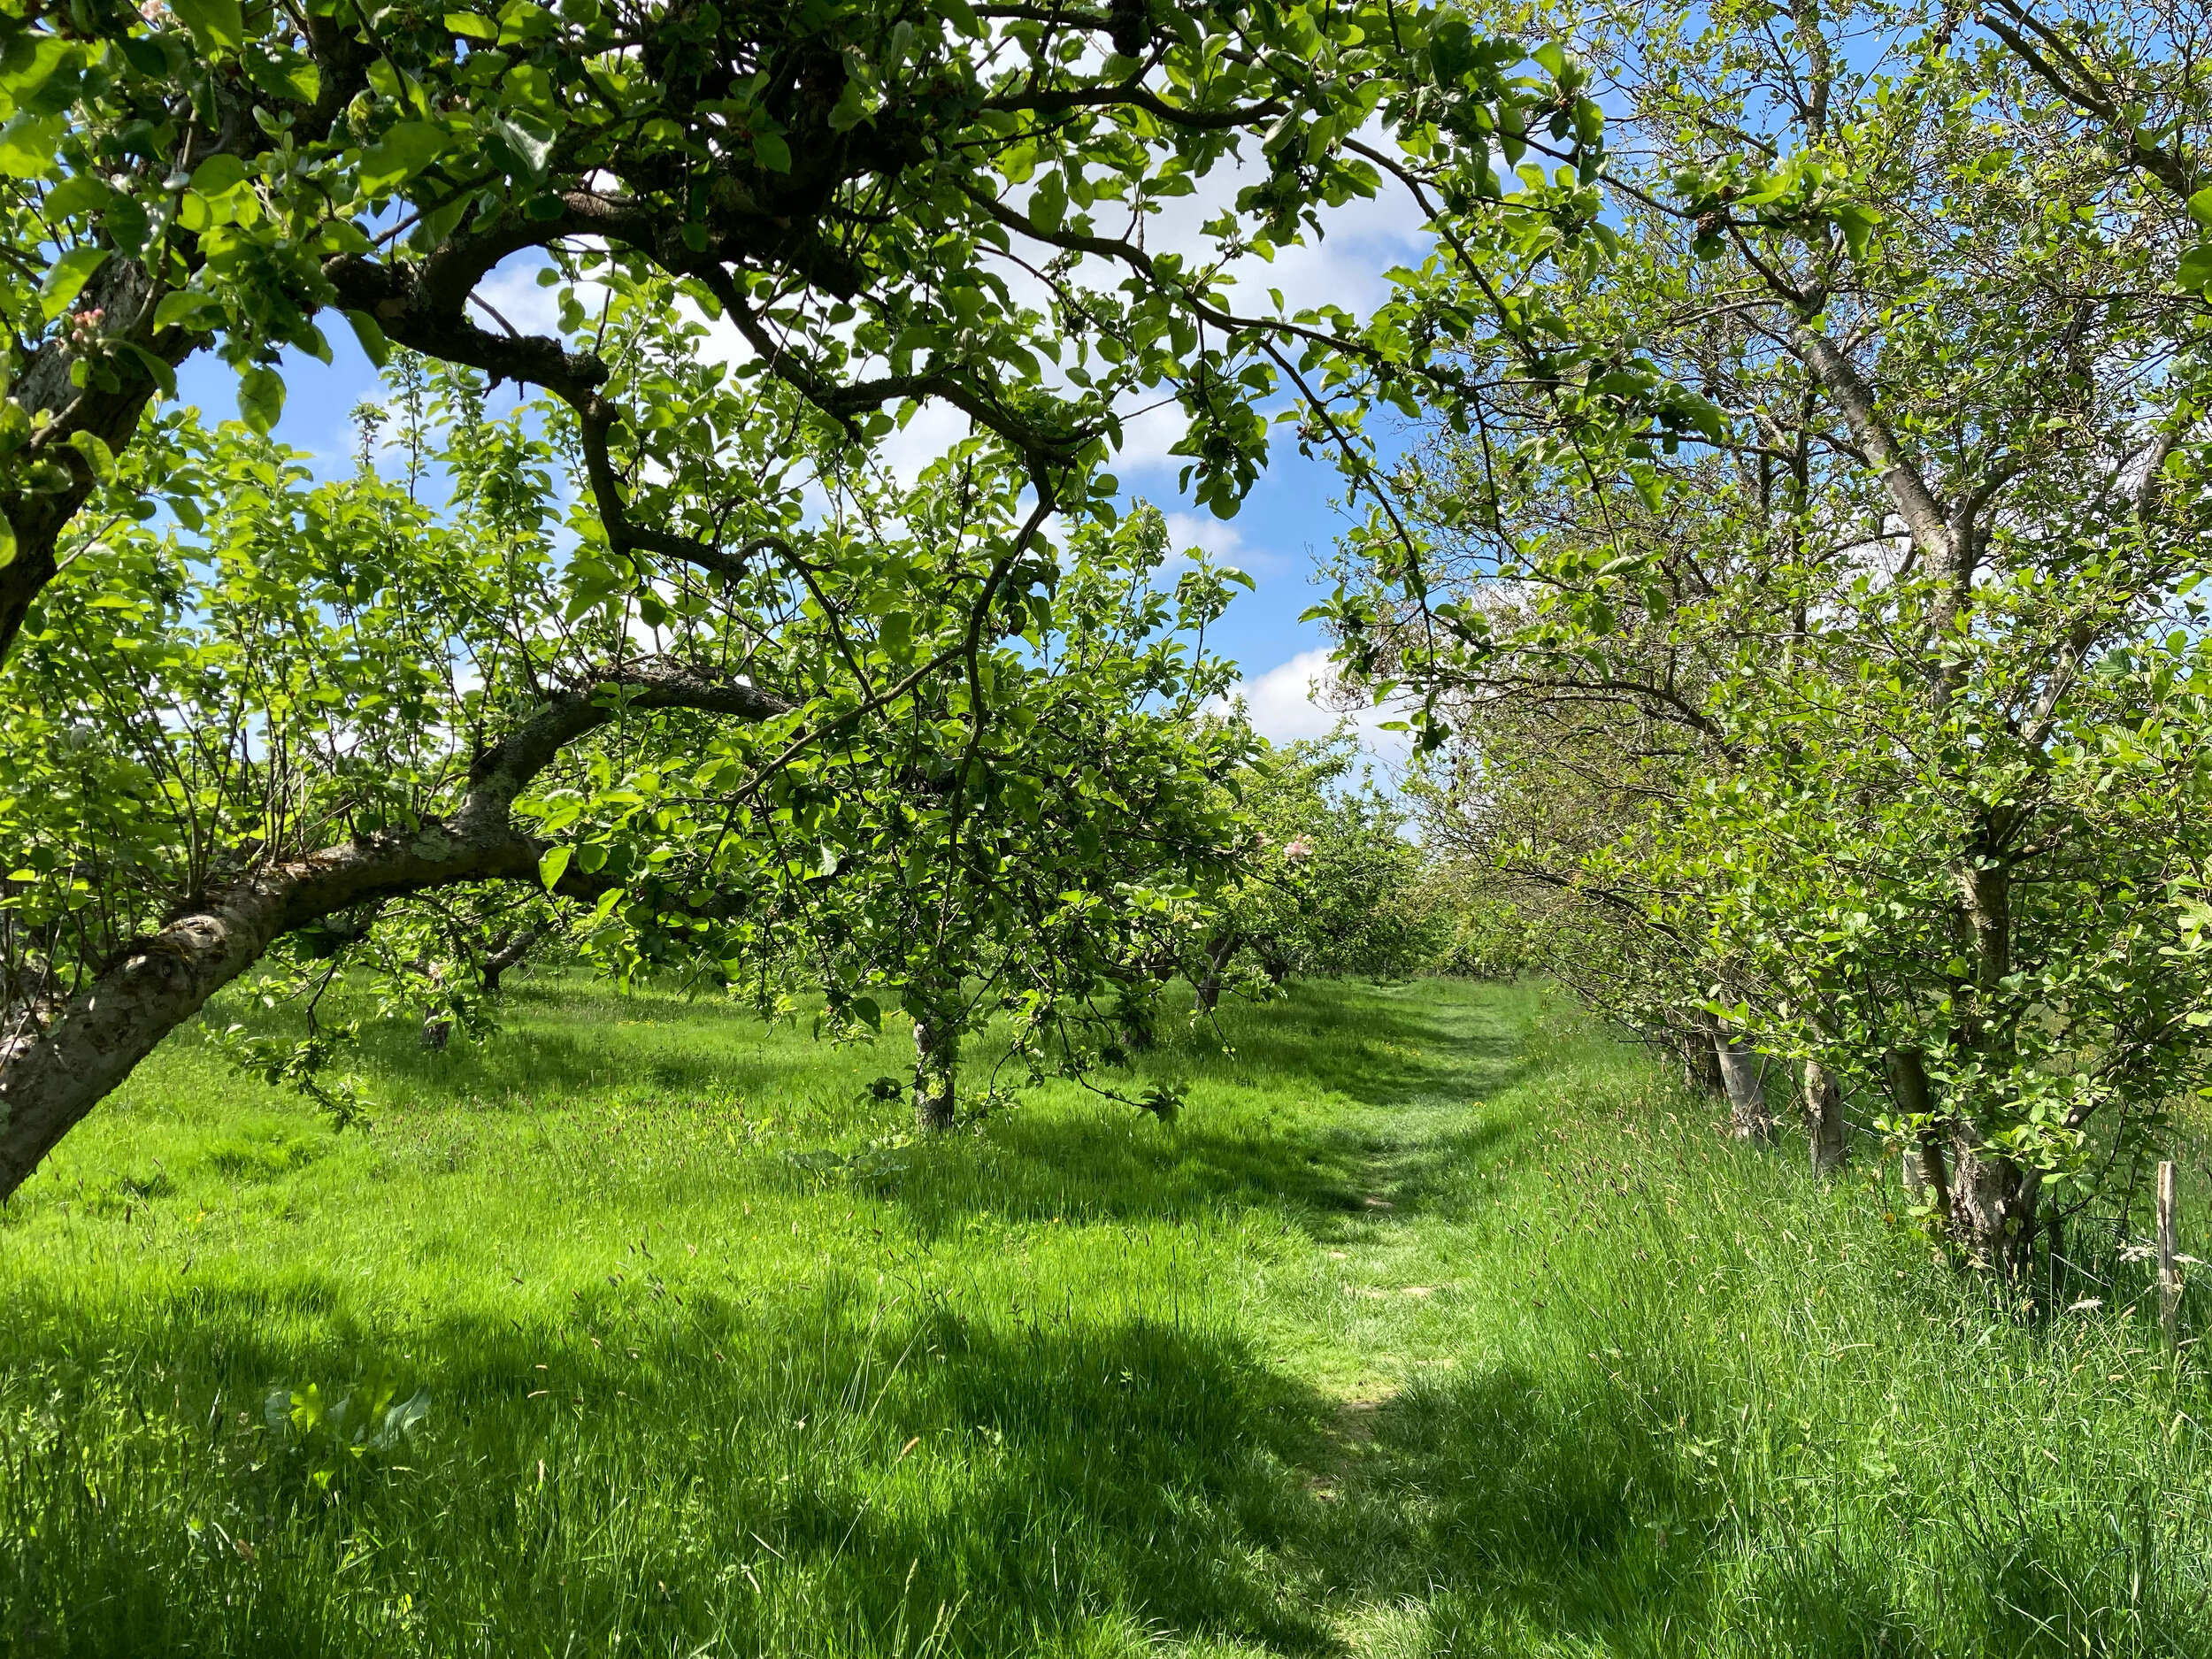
(1436, 1326)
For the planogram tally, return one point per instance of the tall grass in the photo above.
(1437, 1324)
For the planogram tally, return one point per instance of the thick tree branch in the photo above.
(50, 1076)
(1908, 492)
(2079, 86)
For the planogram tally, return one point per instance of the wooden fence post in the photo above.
(2168, 1274)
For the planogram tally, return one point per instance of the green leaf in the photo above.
(1858, 225)
(7, 541)
(370, 333)
(470, 27)
(260, 397)
(399, 154)
(218, 175)
(157, 369)
(1048, 201)
(285, 75)
(178, 304)
(28, 144)
(213, 22)
(2201, 207)
(852, 108)
(771, 152)
(2196, 267)
(80, 193)
(69, 275)
(553, 866)
(530, 149)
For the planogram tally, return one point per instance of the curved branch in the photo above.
(50, 1076)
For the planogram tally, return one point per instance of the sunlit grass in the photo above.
(1435, 1325)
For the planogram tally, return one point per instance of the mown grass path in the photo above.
(1435, 1325)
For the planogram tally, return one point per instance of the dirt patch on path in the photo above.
(1350, 1431)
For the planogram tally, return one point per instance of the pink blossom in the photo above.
(1296, 852)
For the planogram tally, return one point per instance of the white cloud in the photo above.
(1220, 540)
(1294, 700)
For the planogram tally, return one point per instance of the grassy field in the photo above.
(1436, 1326)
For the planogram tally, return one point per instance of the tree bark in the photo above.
(1992, 1207)
(1926, 1178)
(1701, 1060)
(507, 951)
(1823, 1120)
(54, 1072)
(1218, 954)
(936, 1069)
(1743, 1075)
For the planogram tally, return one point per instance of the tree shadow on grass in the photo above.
(1393, 1055)
(818, 1471)
(1395, 1047)
(806, 1476)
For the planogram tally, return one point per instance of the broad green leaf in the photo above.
(529, 147)
(370, 333)
(468, 26)
(403, 152)
(80, 193)
(1048, 201)
(218, 175)
(771, 152)
(285, 75)
(66, 279)
(553, 866)
(2196, 272)
(28, 144)
(180, 304)
(213, 22)
(260, 397)
(852, 108)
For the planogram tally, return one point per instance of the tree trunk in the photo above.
(1823, 1120)
(1217, 955)
(1992, 1198)
(1701, 1063)
(1743, 1075)
(936, 1064)
(1992, 1207)
(507, 951)
(1925, 1177)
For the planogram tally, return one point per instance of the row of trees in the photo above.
(313, 664)
(1856, 731)
(669, 646)
(1797, 586)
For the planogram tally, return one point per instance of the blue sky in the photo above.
(1286, 527)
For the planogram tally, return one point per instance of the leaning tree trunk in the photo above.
(1823, 1119)
(1701, 1062)
(936, 1068)
(1743, 1075)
